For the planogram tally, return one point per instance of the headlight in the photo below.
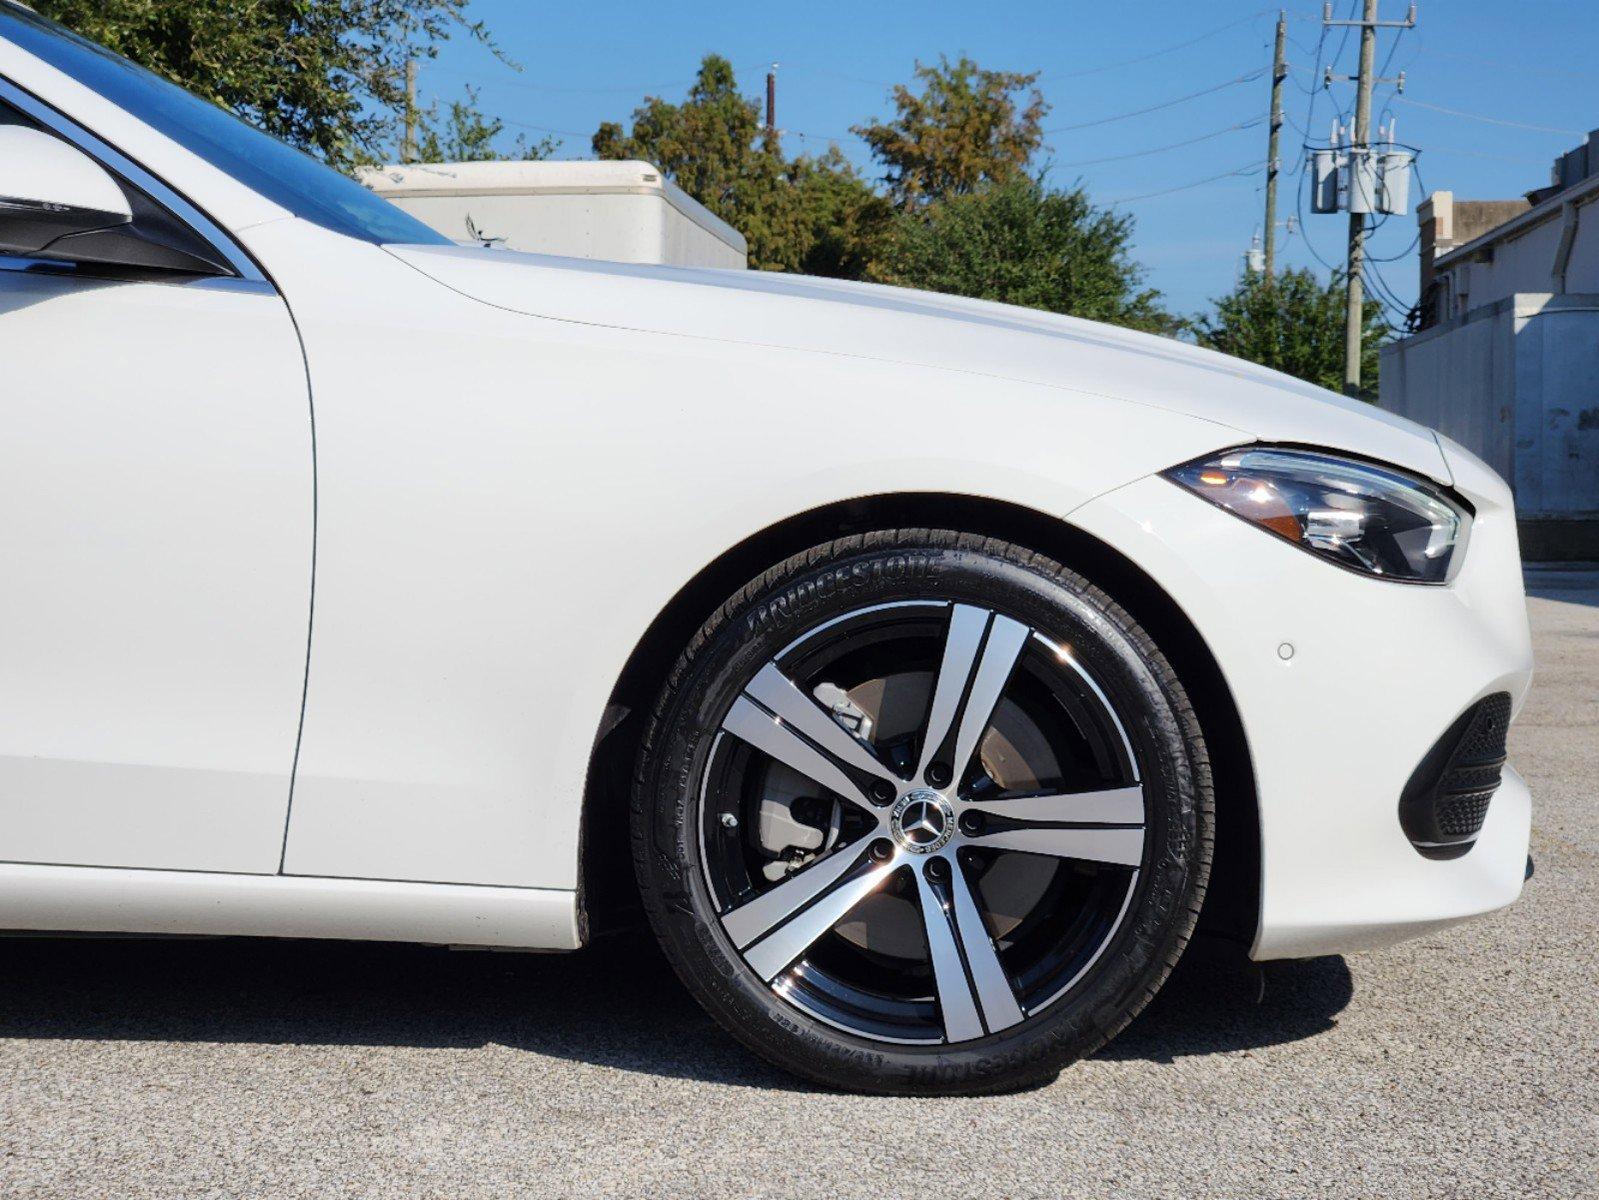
(1375, 519)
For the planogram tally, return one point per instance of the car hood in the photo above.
(976, 337)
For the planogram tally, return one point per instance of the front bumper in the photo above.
(1343, 683)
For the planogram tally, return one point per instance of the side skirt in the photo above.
(117, 900)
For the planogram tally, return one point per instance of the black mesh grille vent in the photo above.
(1446, 801)
(1462, 816)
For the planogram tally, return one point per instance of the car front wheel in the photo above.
(922, 812)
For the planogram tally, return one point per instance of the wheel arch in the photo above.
(607, 892)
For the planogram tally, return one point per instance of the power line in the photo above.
(544, 128)
(1314, 91)
(1393, 49)
(1455, 112)
(830, 74)
(1405, 253)
(1301, 46)
(818, 137)
(1397, 86)
(1387, 109)
(1343, 41)
(1504, 66)
(1248, 77)
(1338, 55)
(1396, 82)
(1050, 75)
(1116, 66)
(1246, 169)
(1203, 137)
(1509, 158)
(1298, 128)
(1386, 294)
(526, 86)
(1310, 107)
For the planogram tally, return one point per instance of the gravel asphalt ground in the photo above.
(1462, 1065)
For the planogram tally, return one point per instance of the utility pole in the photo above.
(408, 146)
(1363, 186)
(1279, 72)
(1359, 150)
(771, 102)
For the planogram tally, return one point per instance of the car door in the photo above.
(156, 539)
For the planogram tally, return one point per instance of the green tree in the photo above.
(961, 213)
(841, 220)
(1294, 324)
(708, 145)
(1020, 242)
(325, 75)
(967, 127)
(466, 135)
(812, 213)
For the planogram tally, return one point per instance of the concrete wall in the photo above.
(1459, 378)
(1517, 383)
(1557, 417)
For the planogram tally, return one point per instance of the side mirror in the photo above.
(50, 190)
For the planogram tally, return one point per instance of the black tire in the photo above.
(861, 572)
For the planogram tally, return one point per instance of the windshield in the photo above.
(276, 170)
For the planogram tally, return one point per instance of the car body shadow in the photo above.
(1569, 584)
(1217, 1001)
(615, 1004)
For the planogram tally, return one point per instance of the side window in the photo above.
(155, 241)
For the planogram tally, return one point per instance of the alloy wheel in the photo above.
(921, 822)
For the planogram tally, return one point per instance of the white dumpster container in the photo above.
(621, 211)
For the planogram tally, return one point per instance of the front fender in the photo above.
(506, 503)
(1343, 683)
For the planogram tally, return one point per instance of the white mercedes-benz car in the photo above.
(924, 669)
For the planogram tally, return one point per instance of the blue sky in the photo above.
(1528, 63)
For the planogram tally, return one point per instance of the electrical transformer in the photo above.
(1393, 182)
(1324, 181)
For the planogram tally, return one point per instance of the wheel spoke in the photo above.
(974, 991)
(752, 921)
(780, 694)
(748, 721)
(961, 644)
(1004, 646)
(1114, 806)
(1121, 846)
(1000, 1010)
(780, 925)
(974, 669)
(956, 1002)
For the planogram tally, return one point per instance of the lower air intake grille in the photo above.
(1446, 801)
(1462, 816)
